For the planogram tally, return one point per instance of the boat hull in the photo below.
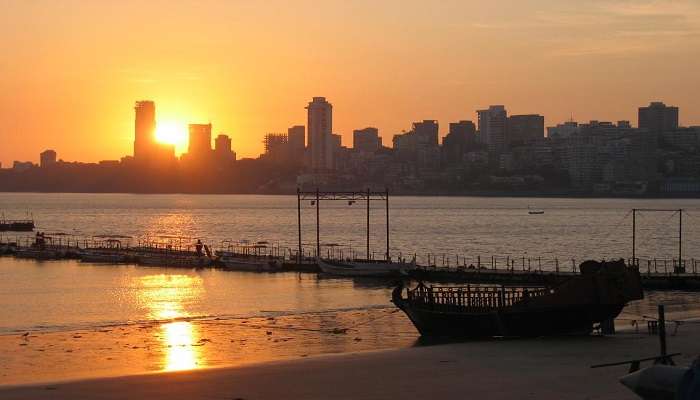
(367, 269)
(596, 296)
(16, 226)
(179, 262)
(530, 323)
(103, 258)
(250, 265)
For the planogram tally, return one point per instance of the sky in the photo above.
(71, 71)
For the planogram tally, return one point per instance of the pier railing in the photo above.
(472, 298)
(429, 262)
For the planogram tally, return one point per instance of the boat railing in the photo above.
(472, 297)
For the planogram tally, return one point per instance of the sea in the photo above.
(52, 300)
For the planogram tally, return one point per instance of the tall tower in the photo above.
(658, 118)
(200, 140)
(492, 128)
(320, 125)
(144, 129)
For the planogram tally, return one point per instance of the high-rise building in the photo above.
(320, 125)
(426, 132)
(455, 144)
(47, 158)
(146, 148)
(200, 141)
(562, 131)
(276, 147)
(144, 129)
(366, 140)
(464, 131)
(492, 125)
(296, 140)
(222, 149)
(658, 118)
(524, 128)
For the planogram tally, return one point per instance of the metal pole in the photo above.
(299, 224)
(318, 231)
(387, 224)
(368, 194)
(680, 239)
(634, 234)
(662, 330)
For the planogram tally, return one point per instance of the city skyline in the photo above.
(552, 58)
(175, 140)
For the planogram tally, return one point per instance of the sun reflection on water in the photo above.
(166, 297)
(181, 354)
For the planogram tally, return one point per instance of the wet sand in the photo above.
(33, 357)
(552, 368)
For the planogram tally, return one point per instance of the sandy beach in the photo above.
(543, 368)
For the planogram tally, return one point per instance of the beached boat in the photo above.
(248, 262)
(595, 296)
(365, 268)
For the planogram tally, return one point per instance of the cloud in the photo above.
(604, 27)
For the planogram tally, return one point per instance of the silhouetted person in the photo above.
(198, 247)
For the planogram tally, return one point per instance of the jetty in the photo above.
(262, 256)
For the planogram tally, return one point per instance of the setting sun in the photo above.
(171, 132)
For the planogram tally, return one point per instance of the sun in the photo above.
(171, 132)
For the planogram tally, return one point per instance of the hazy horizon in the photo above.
(74, 69)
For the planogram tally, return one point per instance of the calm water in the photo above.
(52, 295)
(59, 297)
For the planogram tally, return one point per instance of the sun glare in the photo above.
(170, 132)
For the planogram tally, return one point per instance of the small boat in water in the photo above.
(596, 296)
(534, 211)
(109, 251)
(39, 253)
(173, 260)
(16, 225)
(248, 262)
(369, 268)
(99, 256)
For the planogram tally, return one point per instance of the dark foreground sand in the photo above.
(498, 369)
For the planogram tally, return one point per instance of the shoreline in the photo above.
(542, 368)
(485, 194)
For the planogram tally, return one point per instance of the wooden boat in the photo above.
(16, 225)
(595, 296)
(248, 262)
(365, 268)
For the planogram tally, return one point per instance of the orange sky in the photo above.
(71, 71)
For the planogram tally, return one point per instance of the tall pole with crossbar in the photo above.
(299, 225)
(318, 229)
(386, 199)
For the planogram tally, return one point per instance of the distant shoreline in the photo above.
(544, 195)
